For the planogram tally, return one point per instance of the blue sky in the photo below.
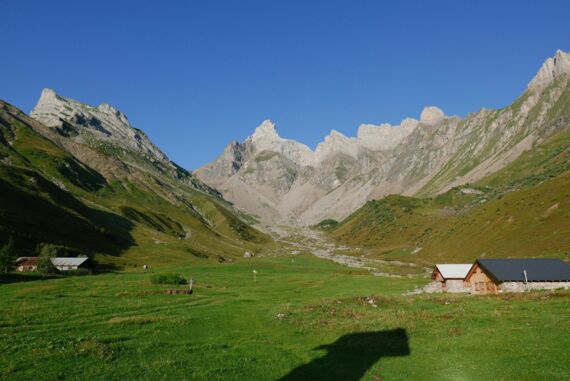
(196, 74)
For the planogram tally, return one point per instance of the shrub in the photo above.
(167, 279)
(45, 265)
(327, 224)
(46, 252)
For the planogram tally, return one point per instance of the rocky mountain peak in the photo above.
(266, 131)
(266, 138)
(550, 69)
(47, 94)
(431, 115)
(52, 109)
(384, 136)
(409, 124)
(335, 142)
(48, 107)
(95, 125)
(267, 125)
(334, 135)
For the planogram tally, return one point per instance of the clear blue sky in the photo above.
(196, 74)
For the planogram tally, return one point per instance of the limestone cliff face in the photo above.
(279, 179)
(553, 67)
(102, 127)
(107, 131)
(384, 136)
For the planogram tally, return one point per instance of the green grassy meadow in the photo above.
(304, 319)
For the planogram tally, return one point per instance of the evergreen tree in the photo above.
(7, 254)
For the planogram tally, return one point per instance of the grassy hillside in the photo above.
(543, 162)
(305, 319)
(521, 211)
(56, 191)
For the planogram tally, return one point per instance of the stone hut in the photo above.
(450, 277)
(490, 276)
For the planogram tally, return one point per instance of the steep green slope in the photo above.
(34, 210)
(56, 191)
(520, 211)
(545, 161)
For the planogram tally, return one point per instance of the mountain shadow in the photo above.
(33, 211)
(350, 356)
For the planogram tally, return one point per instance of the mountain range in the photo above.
(284, 181)
(83, 178)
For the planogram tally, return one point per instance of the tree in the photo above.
(7, 254)
(47, 251)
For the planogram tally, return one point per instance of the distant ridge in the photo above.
(283, 180)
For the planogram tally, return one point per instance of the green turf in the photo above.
(122, 327)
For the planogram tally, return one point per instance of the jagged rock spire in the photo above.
(553, 67)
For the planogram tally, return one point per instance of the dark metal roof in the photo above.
(505, 270)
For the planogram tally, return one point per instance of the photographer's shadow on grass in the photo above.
(350, 356)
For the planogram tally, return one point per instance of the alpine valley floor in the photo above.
(305, 318)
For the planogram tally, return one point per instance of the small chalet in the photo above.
(489, 276)
(450, 277)
(26, 264)
(65, 264)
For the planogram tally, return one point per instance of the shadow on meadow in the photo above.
(48, 214)
(22, 277)
(350, 356)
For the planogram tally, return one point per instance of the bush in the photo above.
(167, 279)
(46, 252)
(45, 265)
(327, 224)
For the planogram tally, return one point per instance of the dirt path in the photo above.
(304, 239)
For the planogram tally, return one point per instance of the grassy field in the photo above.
(304, 319)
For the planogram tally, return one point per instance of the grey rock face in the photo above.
(96, 126)
(108, 131)
(553, 67)
(384, 136)
(279, 179)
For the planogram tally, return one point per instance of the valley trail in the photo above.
(304, 239)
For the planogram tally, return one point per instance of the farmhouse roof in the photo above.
(505, 270)
(453, 271)
(27, 261)
(63, 261)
